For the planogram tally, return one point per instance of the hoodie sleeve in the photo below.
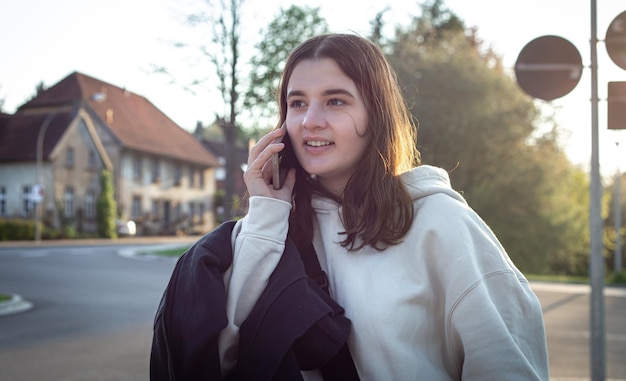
(494, 326)
(496, 330)
(258, 241)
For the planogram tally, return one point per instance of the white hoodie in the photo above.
(445, 304)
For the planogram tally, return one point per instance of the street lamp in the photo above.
(617, 268)
(39, 171)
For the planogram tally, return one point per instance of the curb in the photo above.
(15, 305)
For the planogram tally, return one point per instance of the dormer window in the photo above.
(99, 97)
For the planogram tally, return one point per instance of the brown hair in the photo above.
(377, 209)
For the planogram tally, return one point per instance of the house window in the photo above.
(68, 202)
(201, 179)
(177, 212)
(192, 211)
(27, 201)
(192, 177)
(69, 157)
(90, 204)
(155, 209)
(177, 174)
(91, 159)
(137, 168)
(201, 211)
(155, 170)
(3, 201)
(136, 207)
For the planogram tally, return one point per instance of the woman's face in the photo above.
(326, 121)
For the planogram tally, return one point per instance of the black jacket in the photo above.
(294, 325)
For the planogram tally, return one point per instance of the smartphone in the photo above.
(280, 164)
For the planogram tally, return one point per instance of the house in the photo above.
(61, 140)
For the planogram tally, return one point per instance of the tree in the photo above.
(616, 203)
(376, 25)
(39, 88)
(290, 28)
(475, 122)
(222, 50)
(106, 212)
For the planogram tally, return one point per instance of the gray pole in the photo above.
(617, 268)
(596, 261)
(39, 170)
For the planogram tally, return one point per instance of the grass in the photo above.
(173, 252)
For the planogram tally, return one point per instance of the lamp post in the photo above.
(596, 260)
(617, 268)
(39, 171)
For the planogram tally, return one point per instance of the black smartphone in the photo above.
(281, 161)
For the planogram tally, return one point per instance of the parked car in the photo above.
(126, 228)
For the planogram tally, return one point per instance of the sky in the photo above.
(119, 42)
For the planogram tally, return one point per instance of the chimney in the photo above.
(109, 116)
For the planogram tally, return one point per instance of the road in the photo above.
(93, 311)
(92, 314)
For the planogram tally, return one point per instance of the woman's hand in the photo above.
(259, 173)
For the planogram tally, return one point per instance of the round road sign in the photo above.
(615, 40)
(548, 67)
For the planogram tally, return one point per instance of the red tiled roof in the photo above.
(19, 133)
(134, 120)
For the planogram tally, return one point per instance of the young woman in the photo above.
(428, 289)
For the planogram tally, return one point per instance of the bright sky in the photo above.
(117, 41)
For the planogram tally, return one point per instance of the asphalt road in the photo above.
(93, 312)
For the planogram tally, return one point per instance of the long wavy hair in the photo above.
(377, 209)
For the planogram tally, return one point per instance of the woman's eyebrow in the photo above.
(338, 92)
(298, 93)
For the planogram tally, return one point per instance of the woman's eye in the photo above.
(336, 102)
(295, 103)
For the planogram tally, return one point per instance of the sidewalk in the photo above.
(14, 305)
(183, 240)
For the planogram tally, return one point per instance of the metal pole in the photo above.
(39, 171)
(617, 268)
(596, 260)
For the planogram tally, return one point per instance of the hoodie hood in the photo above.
(427, 180)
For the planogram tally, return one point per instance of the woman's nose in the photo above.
(314, 118)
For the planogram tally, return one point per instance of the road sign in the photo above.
(548, 67)
(615, 40)
(617, 106)
(37, 193)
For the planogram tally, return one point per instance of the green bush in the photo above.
(17, 230)
(69, 232)
(618, 278)
(106, 207)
